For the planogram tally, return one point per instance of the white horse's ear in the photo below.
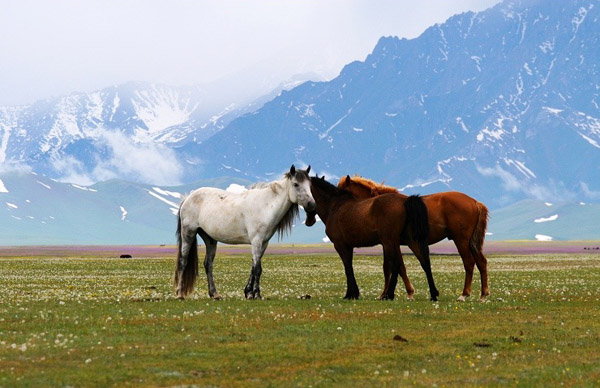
(308, 169)
(293, 170)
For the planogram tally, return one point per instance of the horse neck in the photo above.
(360, 191)
(324, 202)
(279, 197)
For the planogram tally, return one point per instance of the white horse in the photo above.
(251, 217)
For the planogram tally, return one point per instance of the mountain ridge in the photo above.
(501, 104)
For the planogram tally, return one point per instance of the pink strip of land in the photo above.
(444, 247)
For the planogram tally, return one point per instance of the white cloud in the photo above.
(551, 191)
(591, 194)
(146, 162)
(143, 162)
(72, 171)
(19, 168)
(509, 182)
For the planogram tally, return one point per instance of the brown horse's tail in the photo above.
(476, 241)
(190, 271)
(417, 220)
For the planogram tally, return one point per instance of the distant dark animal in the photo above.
(452, 215)
(251, 217)
(386, 219)
(125, 256)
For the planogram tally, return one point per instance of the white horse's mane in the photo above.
(262, 185)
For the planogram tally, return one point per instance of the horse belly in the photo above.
(224, 224)
(361, 235)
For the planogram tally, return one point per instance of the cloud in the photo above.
(146, 162)
(588, 193)
(12, 167)
(141, 162)
(509, 182)
(551, 191)
(72, 171)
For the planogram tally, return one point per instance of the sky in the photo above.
(52, 48)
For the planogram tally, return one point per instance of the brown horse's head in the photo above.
(363, 187)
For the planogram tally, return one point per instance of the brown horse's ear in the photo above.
(323, 178)
(348, 179)
(293, 170)
(308, 169)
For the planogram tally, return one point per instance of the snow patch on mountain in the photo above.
(159, 110)
(45, 185)
(123, 213)
(546, 219)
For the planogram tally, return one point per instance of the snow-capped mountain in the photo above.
(70, 136)
(501, 104)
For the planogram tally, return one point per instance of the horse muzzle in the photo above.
(311, 218)
(310, 207)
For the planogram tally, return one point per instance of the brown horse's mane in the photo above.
(376, 188)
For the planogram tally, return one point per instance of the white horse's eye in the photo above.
(296, 185)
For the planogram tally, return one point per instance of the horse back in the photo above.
(365, 222)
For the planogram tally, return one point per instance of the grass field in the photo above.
(115, 322)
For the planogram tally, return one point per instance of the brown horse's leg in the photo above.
(386, 276)
(391, 266)
(481, 262)
(426, 265)
(410, 290)
(469, 264)
(345, 253)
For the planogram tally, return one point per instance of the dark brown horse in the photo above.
(452, 215)
(351, 222)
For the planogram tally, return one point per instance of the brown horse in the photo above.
(351, 222)
(452, 215)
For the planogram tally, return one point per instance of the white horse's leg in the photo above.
(252, 290)
(211, 250)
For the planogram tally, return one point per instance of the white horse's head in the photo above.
(299, 188)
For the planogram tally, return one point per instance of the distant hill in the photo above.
(35, 210)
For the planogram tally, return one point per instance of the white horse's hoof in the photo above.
(462, 298)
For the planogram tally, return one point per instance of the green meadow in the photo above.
(91, 322)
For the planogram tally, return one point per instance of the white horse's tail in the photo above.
(184, 283)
